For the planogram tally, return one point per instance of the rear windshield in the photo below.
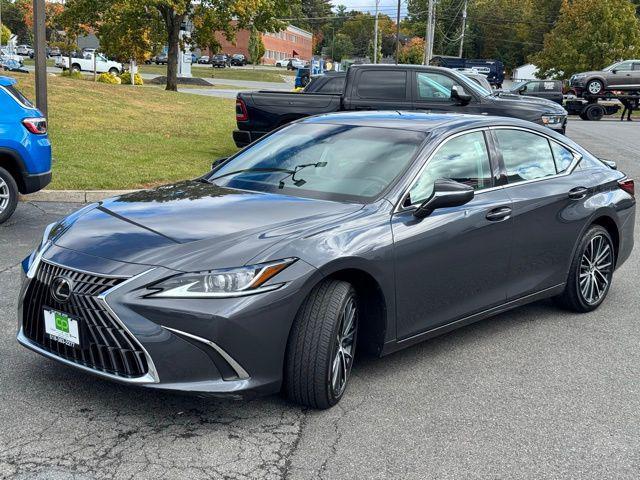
(17, 94)
(325, 161)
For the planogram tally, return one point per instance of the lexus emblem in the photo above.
(61, 289)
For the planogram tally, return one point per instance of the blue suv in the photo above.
(25, 150)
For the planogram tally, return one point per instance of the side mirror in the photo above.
(614, 71)
(522, 89)
(446, 193)
(459, 95)
(218, 162)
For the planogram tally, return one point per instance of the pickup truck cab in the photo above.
(25, 150)
(84, 63)
(389, 87)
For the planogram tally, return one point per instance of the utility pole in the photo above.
(464, 28)
(40, 54)
(375, 35)
(428, 39)
(398, 33)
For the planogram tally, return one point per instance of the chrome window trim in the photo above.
(241, 372)
(399, 207)
(577, 157)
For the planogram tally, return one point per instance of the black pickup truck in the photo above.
(389, 87)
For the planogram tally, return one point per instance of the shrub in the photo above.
(72, 74)
(108, 78)
(126, 79)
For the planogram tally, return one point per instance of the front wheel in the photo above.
(591, 272)
(322, 345)
(8, 195)
(114, 71)
(595, 87)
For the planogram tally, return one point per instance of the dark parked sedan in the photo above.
(365, 230)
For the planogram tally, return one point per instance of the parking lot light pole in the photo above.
(40, 54)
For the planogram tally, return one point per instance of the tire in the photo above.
(594, 112)
(579, 294)
(594, 87)
(8, 195)
(75, 68)
(114, 71)
(313, 356)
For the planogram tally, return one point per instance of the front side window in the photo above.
(434, 86)
(464, 159)
(527, 156)
(326, 161)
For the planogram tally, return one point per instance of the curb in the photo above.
(72, 196)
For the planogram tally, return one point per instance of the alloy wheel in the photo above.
(596, 267)
(345, 347)
(4, 195)
(594, 87)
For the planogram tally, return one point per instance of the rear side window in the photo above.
(562, 156)
(17, 94)
(335, 85)
(527, 156)
(383, 85)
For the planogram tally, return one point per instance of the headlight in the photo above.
(233, 282)
(552, 119)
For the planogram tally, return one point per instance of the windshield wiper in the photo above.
(235, 172)
(292, 173)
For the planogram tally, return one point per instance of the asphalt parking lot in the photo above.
(533, 393)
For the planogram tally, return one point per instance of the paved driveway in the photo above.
(533, 393)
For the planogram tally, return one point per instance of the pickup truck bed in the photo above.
(272, 109)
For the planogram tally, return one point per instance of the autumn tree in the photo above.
(412, 52)
(207, 16)
(589, 35)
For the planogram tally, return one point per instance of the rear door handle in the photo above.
(498, 214)
(578, 193)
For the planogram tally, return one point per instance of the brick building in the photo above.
(291, 42)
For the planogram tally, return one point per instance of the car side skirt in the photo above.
(396, 345)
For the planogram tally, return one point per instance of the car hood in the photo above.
(194, 225)
(548, 105)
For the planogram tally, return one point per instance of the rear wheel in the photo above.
(75, 68)
(591, 272)
(322, 345)
(114, 71)
(8, 195)
(594, 112)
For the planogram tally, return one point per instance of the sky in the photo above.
(388, 7)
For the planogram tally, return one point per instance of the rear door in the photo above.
(379, 89)
(546, 207)
(621, 76)
(547, 89)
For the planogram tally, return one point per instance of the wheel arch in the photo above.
(10, 160)
(609, 224)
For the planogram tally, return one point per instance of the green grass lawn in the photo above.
(256, 75)
(124, 137)
(50, 62)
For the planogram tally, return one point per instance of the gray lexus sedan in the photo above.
(342, 232)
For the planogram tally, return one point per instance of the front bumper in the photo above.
(232, 346)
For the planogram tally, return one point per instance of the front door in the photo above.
(432, 93)
(454, 262)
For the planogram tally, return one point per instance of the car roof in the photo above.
(417, 121)
(7, 81)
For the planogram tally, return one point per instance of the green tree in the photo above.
(256, 47)
(341, 47)
(589, 35)
(5, 35)
(13, 19)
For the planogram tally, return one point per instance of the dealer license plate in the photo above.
(61, 328)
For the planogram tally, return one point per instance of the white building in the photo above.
(524, 72)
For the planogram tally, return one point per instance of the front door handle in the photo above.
(497, 214)
(578, 193)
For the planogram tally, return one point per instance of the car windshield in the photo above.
(469, 84)
(326, 161)
(611, 67)
(516, 86)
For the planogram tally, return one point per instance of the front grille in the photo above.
(104, 344)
